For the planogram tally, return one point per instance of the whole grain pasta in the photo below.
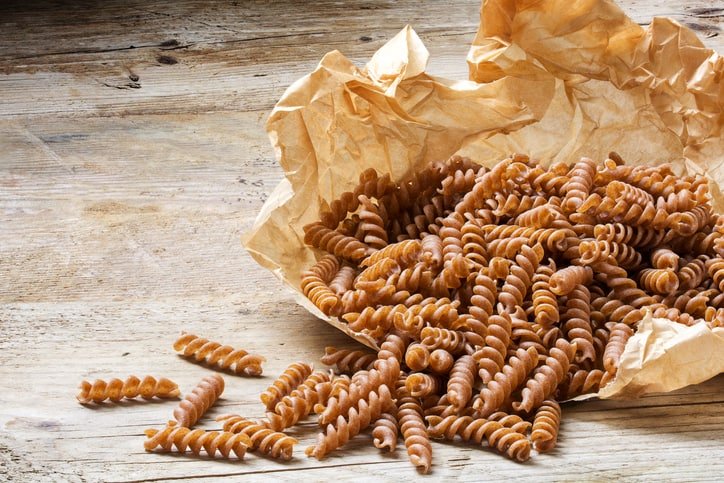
(194, 440)
(224, 357)
(503, 289)
(261, 438)
(199, 400)
(115, 389)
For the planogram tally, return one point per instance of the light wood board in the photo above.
(132, 158)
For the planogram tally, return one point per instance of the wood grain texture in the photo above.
(133, 156)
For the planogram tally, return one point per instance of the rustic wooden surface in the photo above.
(132, 157)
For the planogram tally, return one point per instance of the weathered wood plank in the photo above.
(117, 60)
(120, 215)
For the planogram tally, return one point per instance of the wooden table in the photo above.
(132, 158)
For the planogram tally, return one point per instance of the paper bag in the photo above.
(554, 79)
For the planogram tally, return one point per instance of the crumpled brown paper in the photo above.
(551, 78)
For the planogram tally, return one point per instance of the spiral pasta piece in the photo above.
(196, 440)
(505, 440)
(348, 361)
(420, 384)
(545, 304)
(483, 299)
(300, 402)
(577, 323)
(412, 427)
(404, 253)
(292, 377)
(563, 281)
(512, 421)
(620, 334)
(512, 375)
(343, 281)
(520, 278)
(385, 372)
(357, 419)
(546, 424)
(659, 281)
(692, 273)
(715, 267)
(116, 389)
(451, 341)
(224, 357)
(374, 320)
(417, 357)
(373, 219)
(460, 385)
(473, 243)
(547, 377)
(334, 242)
(315, 285)
(579, 184)
(581, 381)
(491, 357)
(664, 259)
(264, 440)
(201, 398)
(441, 361)
(385, 432)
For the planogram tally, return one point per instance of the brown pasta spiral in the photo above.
(292, 377)
(357, 419)
(343, 281)
(420, 384)
(520, 278)
(376, 321)
(498, 391)
(715, 267)
(314, 285)
(579, 185)
(547, 377)
(385, 432)
(545, 304)
(664, 259)
(546, 424)
(505, 440)
(441, 361)
(334, 242)
(404, 253)
(566, 279)
(582, 381)
(412, 428)
(201, 398)
(268, 442)
(116, 389)
(491, 357)
(460, 385)
(224, 357)
(512, 421)
(373, 219)
(417, 357)
(620, 334)
(577, 322)
(451, 341)
(300, 402)
(195, 440)
(692, 273)
(659, 281)
(348, 361)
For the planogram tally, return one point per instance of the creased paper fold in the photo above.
(551, 78)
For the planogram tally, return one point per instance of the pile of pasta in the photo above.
(494, 293)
